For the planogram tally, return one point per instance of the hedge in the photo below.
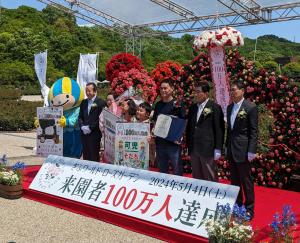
(17, 115)
(9, 94)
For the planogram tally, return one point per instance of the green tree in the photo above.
(16, 73)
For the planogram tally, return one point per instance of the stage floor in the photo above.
(268, 202)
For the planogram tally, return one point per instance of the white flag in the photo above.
(40, 66)
(87, 69)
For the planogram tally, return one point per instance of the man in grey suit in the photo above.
(241, 143)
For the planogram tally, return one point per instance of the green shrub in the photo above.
(271, 66)
(31, 90)
(9, 93)
(292, 70)
(17, 115)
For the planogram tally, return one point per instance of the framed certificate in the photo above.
(169, 127)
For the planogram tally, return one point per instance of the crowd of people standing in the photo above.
(205, 133)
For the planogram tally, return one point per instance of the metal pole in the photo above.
(255, 48)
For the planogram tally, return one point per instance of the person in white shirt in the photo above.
(205, 134)
(88, 121)
(241, 144)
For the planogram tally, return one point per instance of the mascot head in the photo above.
(65, 92)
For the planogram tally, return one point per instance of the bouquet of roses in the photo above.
(226, 36)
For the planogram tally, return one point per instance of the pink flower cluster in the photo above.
(142, 83)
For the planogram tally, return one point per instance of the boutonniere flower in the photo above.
(94, 105)
(242, 114)
(207, 111)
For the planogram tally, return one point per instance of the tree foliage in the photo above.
(26, 31)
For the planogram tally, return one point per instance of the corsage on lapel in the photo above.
(94, 105)
(207, 111)
(242, 114)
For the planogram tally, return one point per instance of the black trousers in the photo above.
(204, 168)
(91, 147)
(241, 176)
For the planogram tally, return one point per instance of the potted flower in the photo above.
(11, 179)
(227, 228)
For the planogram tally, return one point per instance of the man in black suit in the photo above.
(241, 143)
(205, 134)
(88, 120)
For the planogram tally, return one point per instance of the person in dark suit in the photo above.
(88, 121)
(241, 143)
(205, 134)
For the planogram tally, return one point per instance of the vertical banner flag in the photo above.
(219, 76)
(131, 145)
(40, 66)
(49, 136)
(87, 69)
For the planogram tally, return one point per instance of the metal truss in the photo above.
(91, 15)
(270, 14)
(174, 7)
(250, 6)
(133, 45)
(242, 13)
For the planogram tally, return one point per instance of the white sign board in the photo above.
(131, 146)
(49, 135)
(172, 201)
(110, 121)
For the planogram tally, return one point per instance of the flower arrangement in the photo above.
(226, 228)
(226, 36)
(122, 62)
(282, 225)
(139, 80)
(13, 176)
(169, 70)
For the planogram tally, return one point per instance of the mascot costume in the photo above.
(67, 93)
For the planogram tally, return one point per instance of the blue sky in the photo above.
(289, 30)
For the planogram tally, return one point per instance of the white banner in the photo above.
(49, 135)
(110, 121)
(131, 146)
(40, 66)
(219, 76)
(87, 69)
(172, 201)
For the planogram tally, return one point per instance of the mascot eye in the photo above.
(67, 96)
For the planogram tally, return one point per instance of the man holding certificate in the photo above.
(205, 134)
(170, 117)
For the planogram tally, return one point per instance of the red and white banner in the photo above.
(173, 201)
(219, 76)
